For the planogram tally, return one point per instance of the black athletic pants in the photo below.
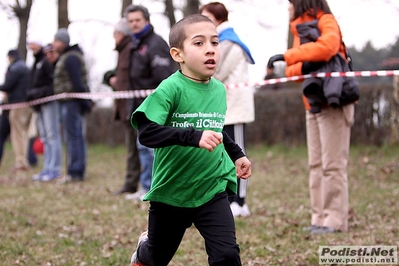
(167, 225)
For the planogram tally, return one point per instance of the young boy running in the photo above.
(193, 169)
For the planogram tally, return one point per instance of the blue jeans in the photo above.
(48, 123)
(146, 160)
(73, 129)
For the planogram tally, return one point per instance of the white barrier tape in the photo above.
(80, 95)
(378, 73)
(145, 93)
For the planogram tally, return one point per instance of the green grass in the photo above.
(84, 224)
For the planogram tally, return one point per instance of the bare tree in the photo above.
(191, 7)
(125, 3)
(170, 12)
(22, 13)
(63, 18)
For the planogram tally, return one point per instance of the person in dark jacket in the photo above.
(150, 64)
(48, 118)
(119, 81)
(70, 76)
(15, 85)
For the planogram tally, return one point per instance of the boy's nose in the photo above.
(210, 48)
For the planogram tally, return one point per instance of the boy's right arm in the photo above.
(154, 135)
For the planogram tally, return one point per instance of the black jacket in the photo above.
(41, 78)
(150, 64)
(332, 91)
(16, 81)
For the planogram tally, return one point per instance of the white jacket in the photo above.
(233, 69)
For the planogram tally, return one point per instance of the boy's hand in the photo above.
(210, 139)
(243, 168)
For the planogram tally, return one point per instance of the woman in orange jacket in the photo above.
(328, 132)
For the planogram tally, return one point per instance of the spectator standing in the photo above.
(120, 81)
(15, 85)
(328, 131)
(70, 76)
(5, 133)
(193, 167)
(48, 114)
(150, 64)
(233, 69)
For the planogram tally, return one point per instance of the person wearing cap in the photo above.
(15, 86)
(150, 64)
(41, 85)
(70, 76)
(118, 79)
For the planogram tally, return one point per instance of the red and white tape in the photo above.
(378, 73)
(144, 93)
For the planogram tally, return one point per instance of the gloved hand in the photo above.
(274, 58)
(309, 67)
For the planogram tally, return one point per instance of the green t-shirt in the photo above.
(188, 176)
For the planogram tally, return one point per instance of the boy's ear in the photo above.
(176, 55)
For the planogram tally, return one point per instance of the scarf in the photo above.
(136, 36)
(230, 35)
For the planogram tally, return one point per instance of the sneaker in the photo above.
(69, 179)
(38, 177)
(134, 260)
(324, 230)
(50, 176)
(245, 211)
(311, 228)
(238, 210)
(138, 195)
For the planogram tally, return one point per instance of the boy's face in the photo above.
(200, 55)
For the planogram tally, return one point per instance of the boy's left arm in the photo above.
(243, 165)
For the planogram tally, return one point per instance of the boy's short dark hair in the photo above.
(177, 33)
(134, 8)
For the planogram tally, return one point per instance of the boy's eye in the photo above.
(215, 43)
(197, 43)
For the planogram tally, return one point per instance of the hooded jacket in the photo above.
(233, 69)
(70, 75)
(70, 71)
(41, 78)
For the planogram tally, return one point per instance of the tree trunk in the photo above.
(125, 3)
(63, 19)
(22, 14)
(192, 7)
(170, 12)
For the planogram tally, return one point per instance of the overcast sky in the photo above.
(261, 24)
